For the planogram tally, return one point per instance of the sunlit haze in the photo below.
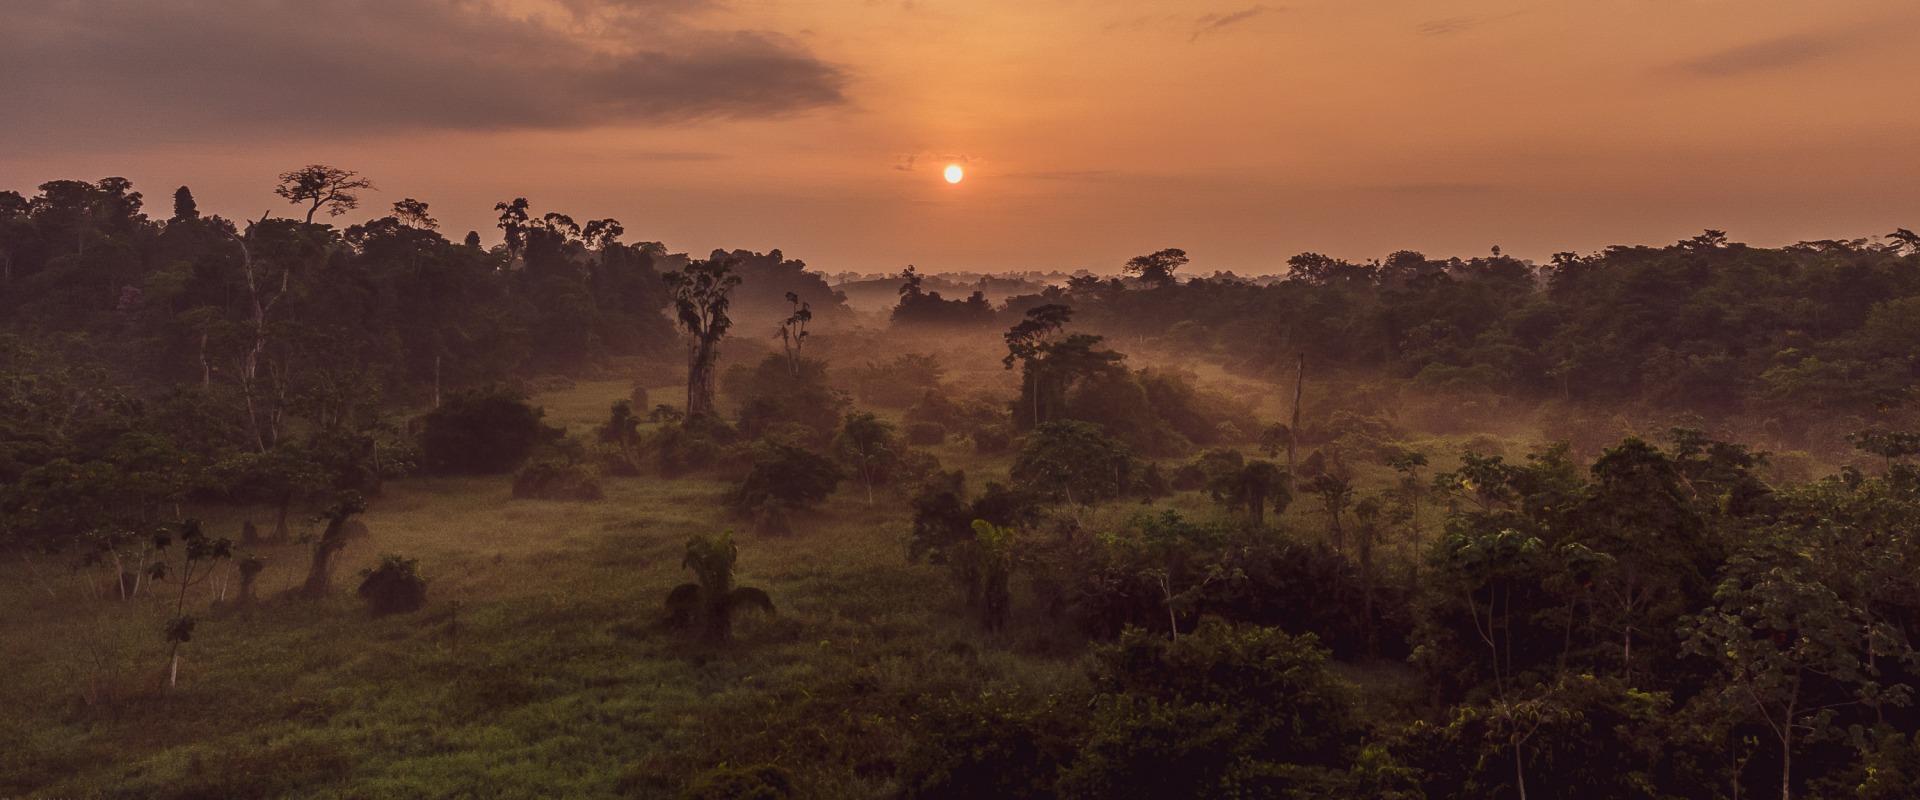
(1090, 131)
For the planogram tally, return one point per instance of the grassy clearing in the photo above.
(536, 670)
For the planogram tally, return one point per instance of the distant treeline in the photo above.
(1703, 325)
(291, 307)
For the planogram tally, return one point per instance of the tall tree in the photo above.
(1031, 339)
(701, 294)
(183, 205)
(1157, 268)
(321, 186)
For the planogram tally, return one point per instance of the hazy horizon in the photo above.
(1241, 132)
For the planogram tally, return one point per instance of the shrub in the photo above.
(1207, 468)
(481, 432)
(1225, 712)
(789, 475)
(992, 439)
(926, 434)
(899, 382)
(998, 744)
(394, 587)
(556, 480)
(679, 448)
(774, 398)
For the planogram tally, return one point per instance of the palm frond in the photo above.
(683, 603)
(750, 596)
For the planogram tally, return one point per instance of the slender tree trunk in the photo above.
(280, 532)
(206, 365)
(1293, 431)
(1519, 764)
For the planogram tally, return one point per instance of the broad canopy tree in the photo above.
(320, 186)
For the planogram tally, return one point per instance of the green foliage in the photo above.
(1072, 461)
(619, 439)
(481, 432)
(557, 480)
(712, 602)
(1580, 736)
(785, 398)
(1225, 712)
(994, 744)
(786, 474)
(395, 586)
(869, 447)
(898, 383)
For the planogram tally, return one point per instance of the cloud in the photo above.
(111, 69)
(1780, 53)
(1212, 23)
(1452, 25)
(1071, 175)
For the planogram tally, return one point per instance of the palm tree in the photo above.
(713, 600)
(1251, 487)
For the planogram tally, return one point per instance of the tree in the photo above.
(513, 225)
(321, 186)
(332, 539)
(195, 547)
(1157, 268)
(1072, 461)
(712, 601)
(868, 445)
(481, 432)
(793, 332)
(1226, 712)
(183, 205)
(1031, 339)
(413, 214)
(1249, 487)
(994, 544)
(701, 293)
(788, 476)
(1793, 652)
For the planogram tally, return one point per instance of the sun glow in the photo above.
(954, 174)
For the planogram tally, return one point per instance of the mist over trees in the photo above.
(1637, 523)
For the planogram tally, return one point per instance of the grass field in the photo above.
(536, 670)
(539, 667)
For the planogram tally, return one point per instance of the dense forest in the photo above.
(1641, 523)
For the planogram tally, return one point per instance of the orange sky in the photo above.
(1091, 131)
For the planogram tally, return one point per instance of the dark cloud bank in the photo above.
(130, 70)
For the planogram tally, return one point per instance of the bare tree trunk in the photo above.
(320, 572)
(280, 532)
(1293, 431)
(701, 358)
(206, 365)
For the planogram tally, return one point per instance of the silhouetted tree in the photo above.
(700, 297)
(1157, 268)
(321, 186)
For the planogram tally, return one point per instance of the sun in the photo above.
(954, 174)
